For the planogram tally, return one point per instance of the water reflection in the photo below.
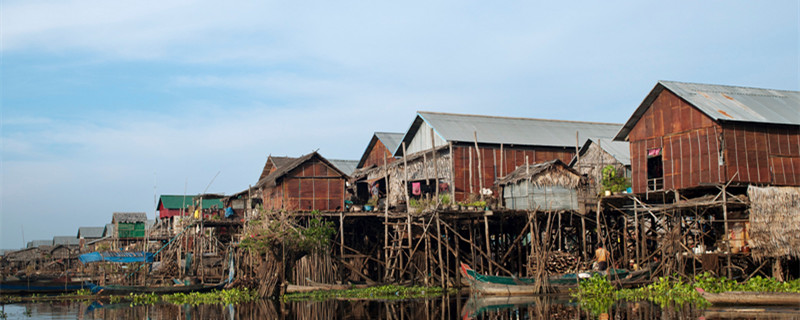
(448, 307)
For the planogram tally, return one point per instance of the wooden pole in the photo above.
(435, 168)
(488, 248)
(439, 242)
(470, 172)
(637, 243)
(457, 255)
(341, 234)
(452, 174)
(405, 173)
(725, 222)
(480, 167)
(386, 215)
(502, 164)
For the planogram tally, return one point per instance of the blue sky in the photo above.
(106, 103)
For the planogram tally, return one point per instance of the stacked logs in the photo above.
(559, 262)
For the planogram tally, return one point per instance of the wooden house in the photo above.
(686, 135)
(383, 145)
(129, 225)
(502, 143)
(546, 186)
(596, 154)
(170, 206)
(307, 183)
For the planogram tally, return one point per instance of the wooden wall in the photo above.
(492, 167)
(311, 186)
(697, 150)
(376, 154)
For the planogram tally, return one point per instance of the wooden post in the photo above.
(439, 242)
(725, 222)
(502, 164)
(405, 172)
(457, 255)
(386, 215)
(341, 234)
(480, 166)
(637, 243)
(470, 171)
(435, 168)
(488, 248)
(452, 174)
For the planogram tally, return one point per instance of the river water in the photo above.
(448, 307)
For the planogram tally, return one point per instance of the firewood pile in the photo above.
(168, 268)
(559, 262)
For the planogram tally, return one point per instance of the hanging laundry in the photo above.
(416, 188)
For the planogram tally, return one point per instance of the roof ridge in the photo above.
(727, 85)
(518, 118)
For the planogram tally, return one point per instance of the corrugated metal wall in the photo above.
(525, 196)
(492, 166)
(695, 150)
(422, 140)
(376, 155)
(311, 186)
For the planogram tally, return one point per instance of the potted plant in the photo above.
(371, 204)
(613, 182)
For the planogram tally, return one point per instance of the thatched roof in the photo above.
(550, 173)
(774, 221)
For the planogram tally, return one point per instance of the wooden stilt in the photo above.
(439, 251)
(488, 247)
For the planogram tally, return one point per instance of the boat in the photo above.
(42, 284)
(751, 298)
(476, 306)
(510, 286)
(125, 290)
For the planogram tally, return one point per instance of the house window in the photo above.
(655, 170)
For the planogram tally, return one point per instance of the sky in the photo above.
(106, 104)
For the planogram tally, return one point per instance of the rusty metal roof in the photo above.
(510, 131)
(620, 150)
(727, 103)
(346, 166)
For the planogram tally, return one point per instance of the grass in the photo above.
(387, 292)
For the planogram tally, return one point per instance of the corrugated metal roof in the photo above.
(90, 232)
(510, 131)
(346, 166)
(66, 240)
(39, 243)
(177, 201)
(391, 140)
(108, 230)
(727, 103)
(620, 150)
(129, 217)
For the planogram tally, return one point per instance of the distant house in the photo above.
(687, 135)
(307, 183)
(66, 241)
(596, 154)
(547, 186)
(503, 144)
(176, 205)
(382, 146)
(39, 243)
(345, 166)
(129, 224)
(90, 233)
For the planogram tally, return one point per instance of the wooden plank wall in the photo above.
(492, 167)
(311, 186)
(377, 154)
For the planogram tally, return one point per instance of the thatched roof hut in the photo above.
(550, 185)
(774, 221)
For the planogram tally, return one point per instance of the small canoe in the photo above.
(751, 298)
(41, 285)
(125, 290)
(512, 286)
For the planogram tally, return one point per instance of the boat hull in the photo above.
(753, 298)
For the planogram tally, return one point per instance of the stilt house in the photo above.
(596, 154)
(502, 143)
(686, 135)
(307, 183)
(546, 186)
(380, 150)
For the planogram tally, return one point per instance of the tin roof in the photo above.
(391, 140)
(509, 131)
(129, 217)
(39, 243)
(108, 230)
(66, 240)
(620, 150)
(726, 103)
(90, 232)
(346, 166)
